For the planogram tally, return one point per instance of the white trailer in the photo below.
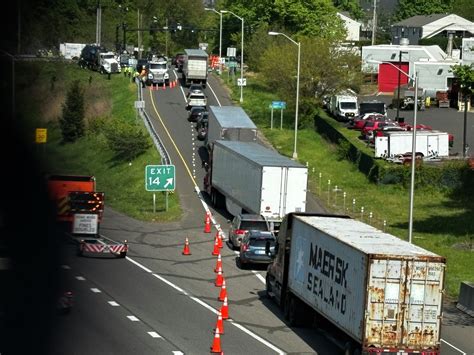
(229, 123)
(71, 50)
(254, 179)
(383, 294)
(195, 67)
(343, 106)
(428, 143)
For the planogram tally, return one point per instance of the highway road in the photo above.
(160, 301)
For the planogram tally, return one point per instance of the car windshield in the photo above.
(257, 225)
(372, 107)
(348, 105)
(158, 66)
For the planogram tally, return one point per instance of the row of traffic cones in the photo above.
(172, 84)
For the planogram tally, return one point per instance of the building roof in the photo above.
(420, 20)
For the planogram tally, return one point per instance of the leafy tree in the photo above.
(128, 141)
(409, 8)
(465, 76)
(351, 6)
(463, 8)
(324, 69)
(72, 121)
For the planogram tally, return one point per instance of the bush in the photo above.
(72, 121)
(127, 140)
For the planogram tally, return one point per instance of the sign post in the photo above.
(281, 105)
(160, 178)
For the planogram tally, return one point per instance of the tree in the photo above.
(464, 8)
(409, 8)
(126, 140)
(351, 6)
(465, 76)
(72, 121)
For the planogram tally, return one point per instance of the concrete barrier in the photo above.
(466, 298)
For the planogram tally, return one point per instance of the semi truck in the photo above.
(343, 106)
(370, 290)
(80, 210)
(195, 67)
(97, 58)
(246, 177)
(428, 144)
(158, 71)
(229, 123)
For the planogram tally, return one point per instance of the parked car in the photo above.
(242, 223)
(196, 99)
(370, 126)
(254, 247)
(359, 123)
(195, 112)
(381, 131)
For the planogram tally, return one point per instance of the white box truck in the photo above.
(374, 291)
(195, 67)
(229, 123)
(250, 178)
(343, 106)
(428, 143)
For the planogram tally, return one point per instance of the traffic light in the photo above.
(80, 201)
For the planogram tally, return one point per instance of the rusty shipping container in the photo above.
(383, 292)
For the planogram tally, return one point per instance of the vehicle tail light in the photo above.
(245, 247)
(240, 231)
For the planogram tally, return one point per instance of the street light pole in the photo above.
(298, 44)
(413, 145)
(241, 54)
(399, 78)
(220, 36)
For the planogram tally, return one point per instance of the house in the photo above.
(352, 27)
(428, 26)
(430, 63)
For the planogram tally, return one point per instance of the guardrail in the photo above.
(165, 157)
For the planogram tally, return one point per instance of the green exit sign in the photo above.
(160, 177)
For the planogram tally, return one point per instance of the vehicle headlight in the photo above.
(150, 76)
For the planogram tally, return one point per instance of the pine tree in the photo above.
(72, 121)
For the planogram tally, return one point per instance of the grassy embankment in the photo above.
(443, 222)
(40, 102)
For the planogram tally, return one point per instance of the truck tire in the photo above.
(123, 254)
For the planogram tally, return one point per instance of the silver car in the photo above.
(241, 224)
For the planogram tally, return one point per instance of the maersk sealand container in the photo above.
(382, 294)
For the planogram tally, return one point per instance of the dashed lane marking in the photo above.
(95, 290)
(80, 278)
(154, 335)
(113, 304)
(133, 318)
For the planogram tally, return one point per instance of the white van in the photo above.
(343, 106)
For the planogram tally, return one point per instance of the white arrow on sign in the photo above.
(168, 182)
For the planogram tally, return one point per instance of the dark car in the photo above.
(202, 124)
(254, 247)
(195, 112)
(242, 223)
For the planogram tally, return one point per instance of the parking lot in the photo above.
(447, 120)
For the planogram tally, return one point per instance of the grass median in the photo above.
(41, 90)
(442, 222)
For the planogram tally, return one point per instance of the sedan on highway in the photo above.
(254, 247)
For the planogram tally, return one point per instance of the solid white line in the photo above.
(256, 337)
(205, 305)
(154, 335)
(133, 318)
(96, 290)
(139, 265)
(178, 353)
(214, 94)
(80, 278)
(113, 304)
(451, 345)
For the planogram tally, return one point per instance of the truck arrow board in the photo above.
(160, 177)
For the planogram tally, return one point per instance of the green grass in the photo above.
(442, 221)
(122, 182)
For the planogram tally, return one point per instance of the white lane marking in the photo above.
(178, 353)
(139, 265)
(451, 345)
(170, 284)
(133, 318)
(205, 305)
(80, 278)
(96, 290)
(113, 304)
(66, 267)
(154, 335)
(260, 277)
(256, 337)
(209, 85)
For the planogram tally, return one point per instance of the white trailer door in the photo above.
(433, 144)
(381, 147)
(296, 183)
(272, 191)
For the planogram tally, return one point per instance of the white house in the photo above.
(352, 27)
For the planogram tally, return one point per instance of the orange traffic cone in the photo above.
(186, 250)
(219, 240)
(164, 86)
(218, 263)
(207, 226)
(225, 309)
(216, 248)
(216, 344)
(219, 279)
(223, 293)
(219, 323)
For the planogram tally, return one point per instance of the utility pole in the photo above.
(19, 28)
(374, 22)
(98, 27)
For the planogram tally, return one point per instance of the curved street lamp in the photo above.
(298, 44)
(413, 144)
